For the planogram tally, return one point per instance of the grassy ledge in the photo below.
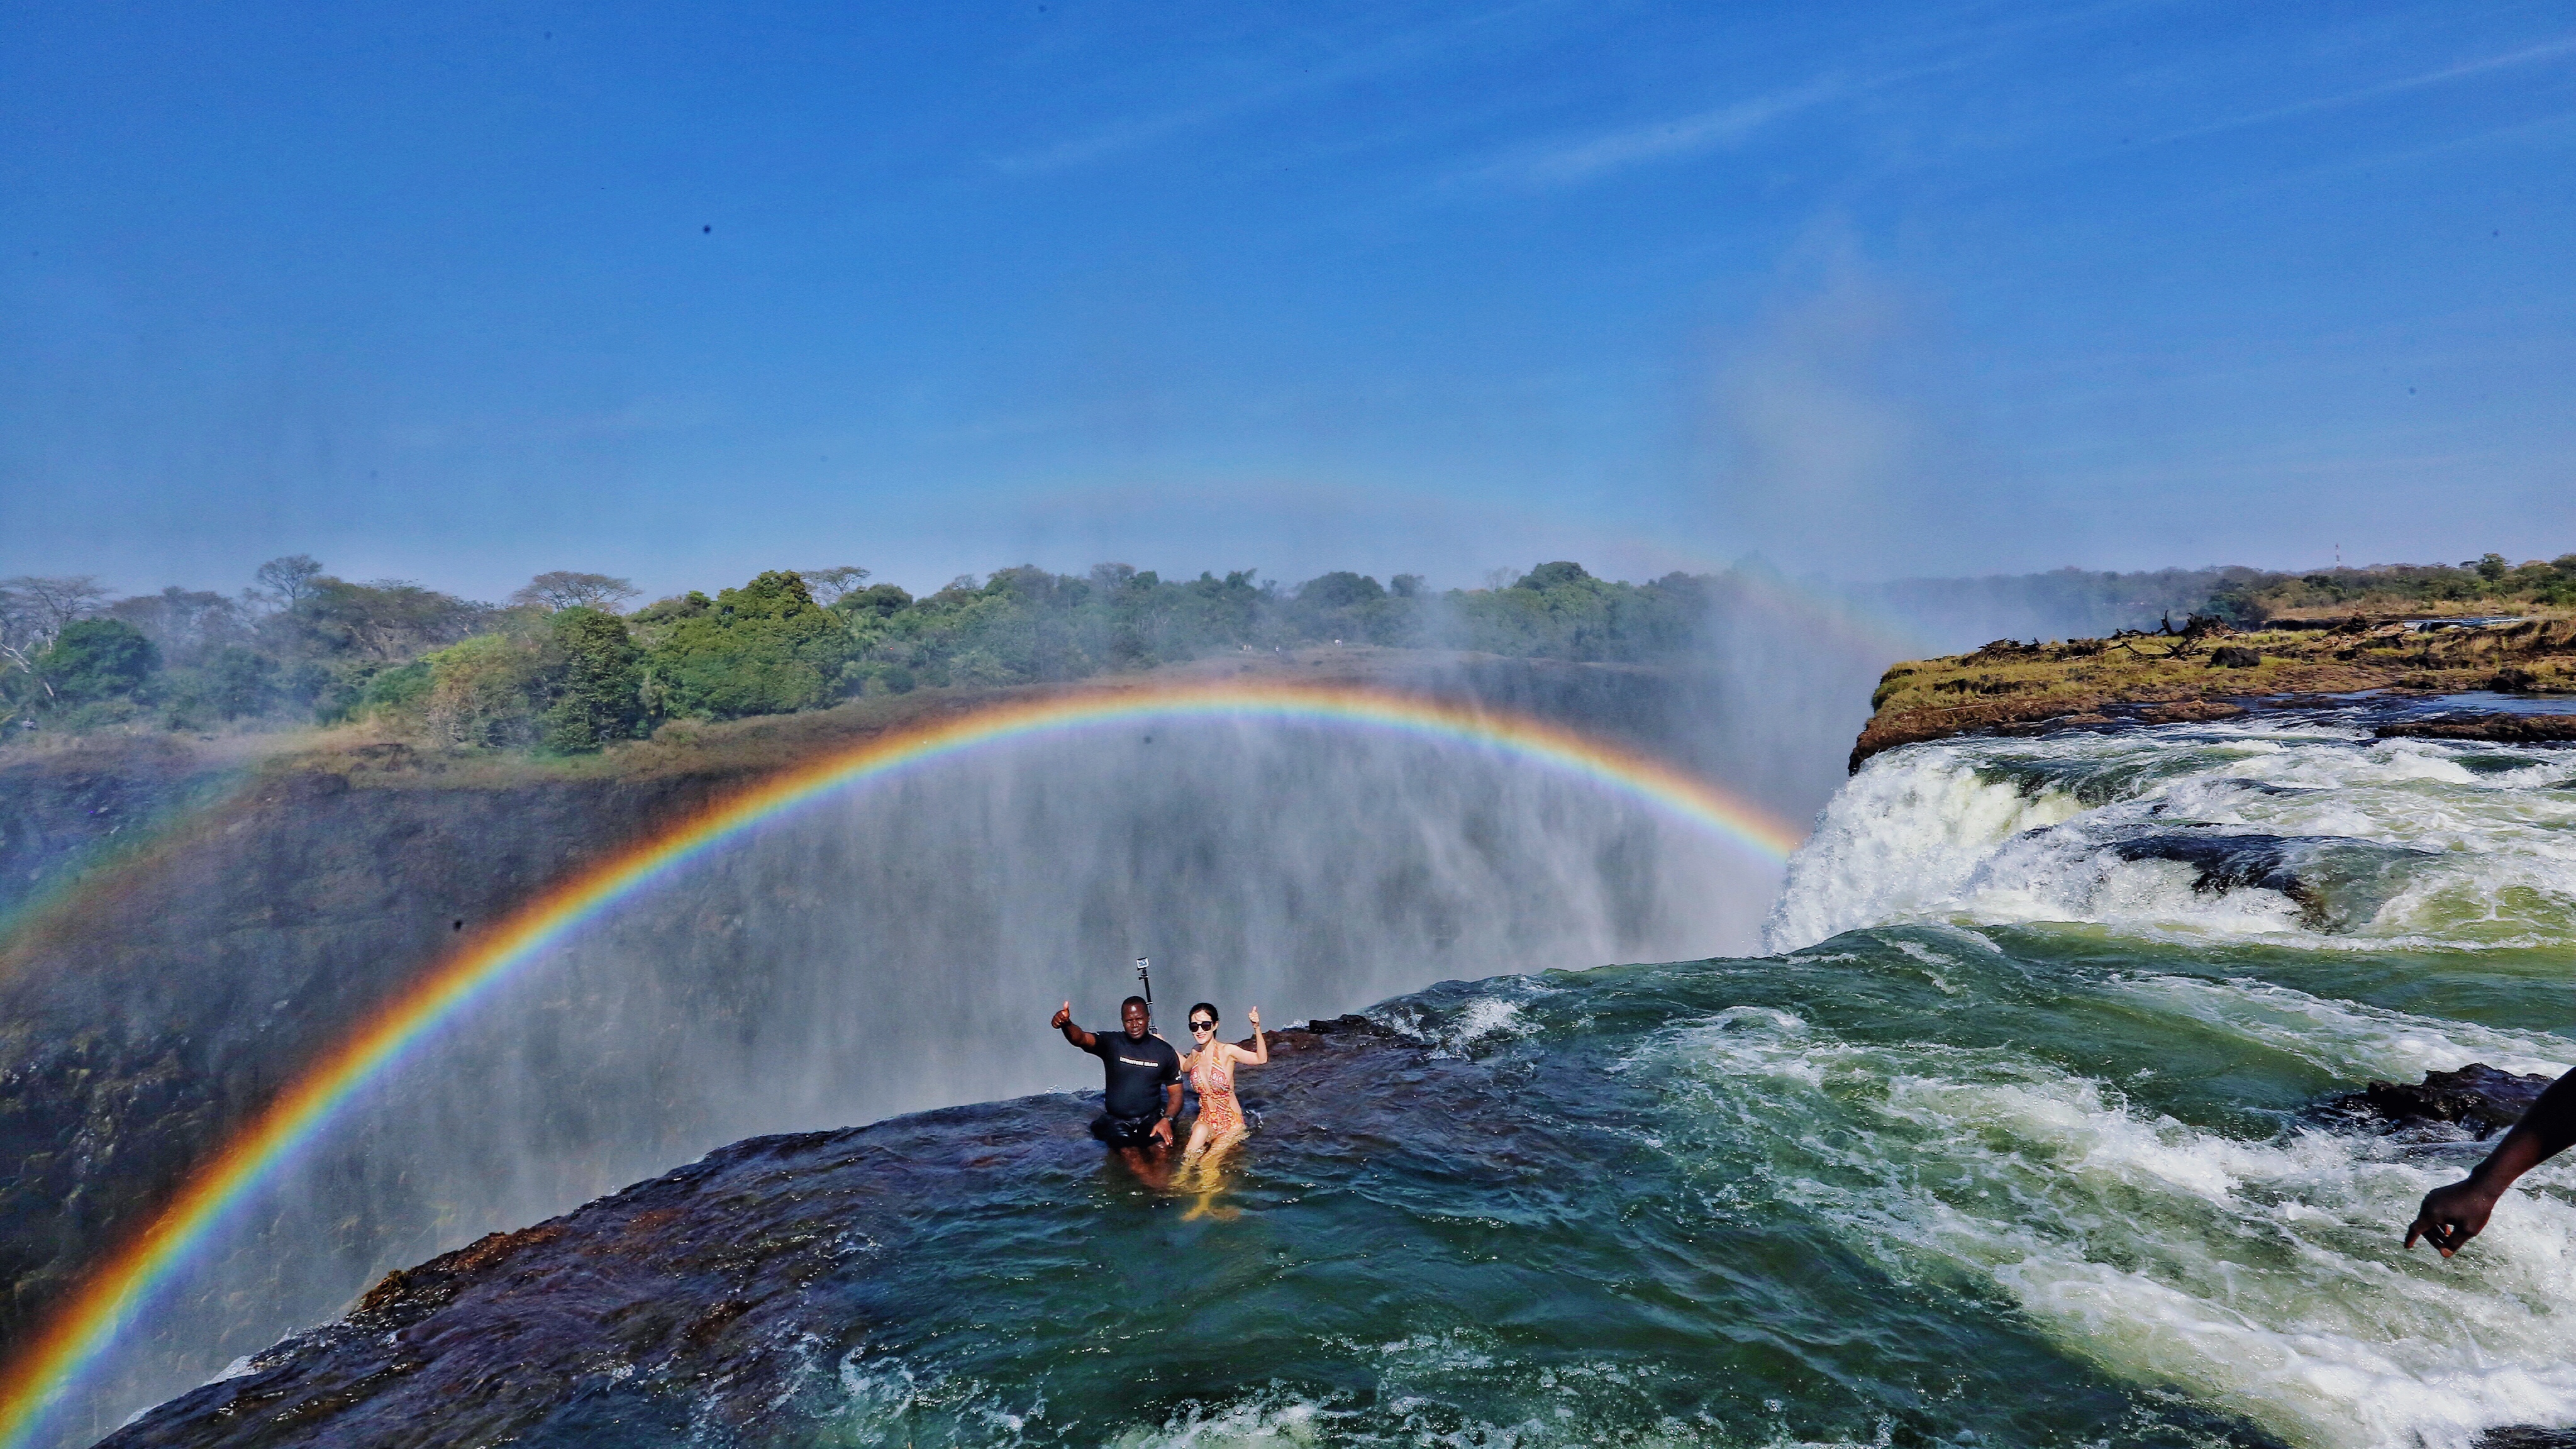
(2209, 671)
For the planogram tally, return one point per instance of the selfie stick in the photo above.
(1145, 973)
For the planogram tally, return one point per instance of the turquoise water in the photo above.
(2012, 1146)
(2012, 1143)
(1921, 1185)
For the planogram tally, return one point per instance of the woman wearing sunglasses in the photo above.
(1210, 1066)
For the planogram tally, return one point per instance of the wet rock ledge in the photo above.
(672, 1312)
(2207, 670)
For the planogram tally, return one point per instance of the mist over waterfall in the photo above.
(900, 945)
(897, 947)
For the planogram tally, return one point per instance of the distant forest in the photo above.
(564, 667)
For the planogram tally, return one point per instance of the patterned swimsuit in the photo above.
(1218, 1111)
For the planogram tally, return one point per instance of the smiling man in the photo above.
(1141, 1078)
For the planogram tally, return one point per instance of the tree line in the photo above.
(2489, 581)
(562, 666)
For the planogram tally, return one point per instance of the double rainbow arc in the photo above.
(125, 1283)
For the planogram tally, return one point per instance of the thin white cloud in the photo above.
(1566, 162)
(1229, 99)
(1140, 131)
(1572, 161)
(2529, 55)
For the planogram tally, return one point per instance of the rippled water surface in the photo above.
(2011, 1148)
(1923, 1184)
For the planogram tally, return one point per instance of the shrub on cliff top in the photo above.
(96, 659)
(482, 693)
(595, 682)
(764, 648)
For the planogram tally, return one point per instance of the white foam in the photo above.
(2264, 1277)
(1900, 839)
(1267, 1420)
(1984, 831)
(1475, 1026)
(2347, 1039)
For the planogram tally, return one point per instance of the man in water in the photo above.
(1141, 1078)
(2452, 1215)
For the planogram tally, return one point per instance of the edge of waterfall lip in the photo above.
(2471, 715)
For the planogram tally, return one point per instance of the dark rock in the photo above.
(2188, 711)
(691, 1299)
(2527, 1436)
(2477, 1097)
(2001, 649)
(2509, 729)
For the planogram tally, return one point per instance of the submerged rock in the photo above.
(2477, 1097)
(2336, 882)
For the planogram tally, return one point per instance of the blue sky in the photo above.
(459, 293)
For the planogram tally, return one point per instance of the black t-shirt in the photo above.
(1135, 1072)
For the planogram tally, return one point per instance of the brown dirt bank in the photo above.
(2211, 672)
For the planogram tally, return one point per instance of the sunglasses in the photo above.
(1202, 1026)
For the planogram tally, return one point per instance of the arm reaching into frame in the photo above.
(2452, 1215)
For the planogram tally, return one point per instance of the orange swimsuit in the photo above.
(1218, 1111)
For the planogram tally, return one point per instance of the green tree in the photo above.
(388, 621)
(97, 659)
(288, 581)
(567, 589)
(483, 693)
(237, 682)
(402, 689)
(764, 648)
(597, 680)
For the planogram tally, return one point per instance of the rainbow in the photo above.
(126, 1282)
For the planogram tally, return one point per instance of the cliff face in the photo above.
(154, 996)
(155, 1009)
(64, 814)
(2210, 672)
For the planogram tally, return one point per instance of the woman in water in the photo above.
(1210, 1068)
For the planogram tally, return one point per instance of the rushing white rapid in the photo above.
(2196, 870)
(2260, 1276)
(2309, 833)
